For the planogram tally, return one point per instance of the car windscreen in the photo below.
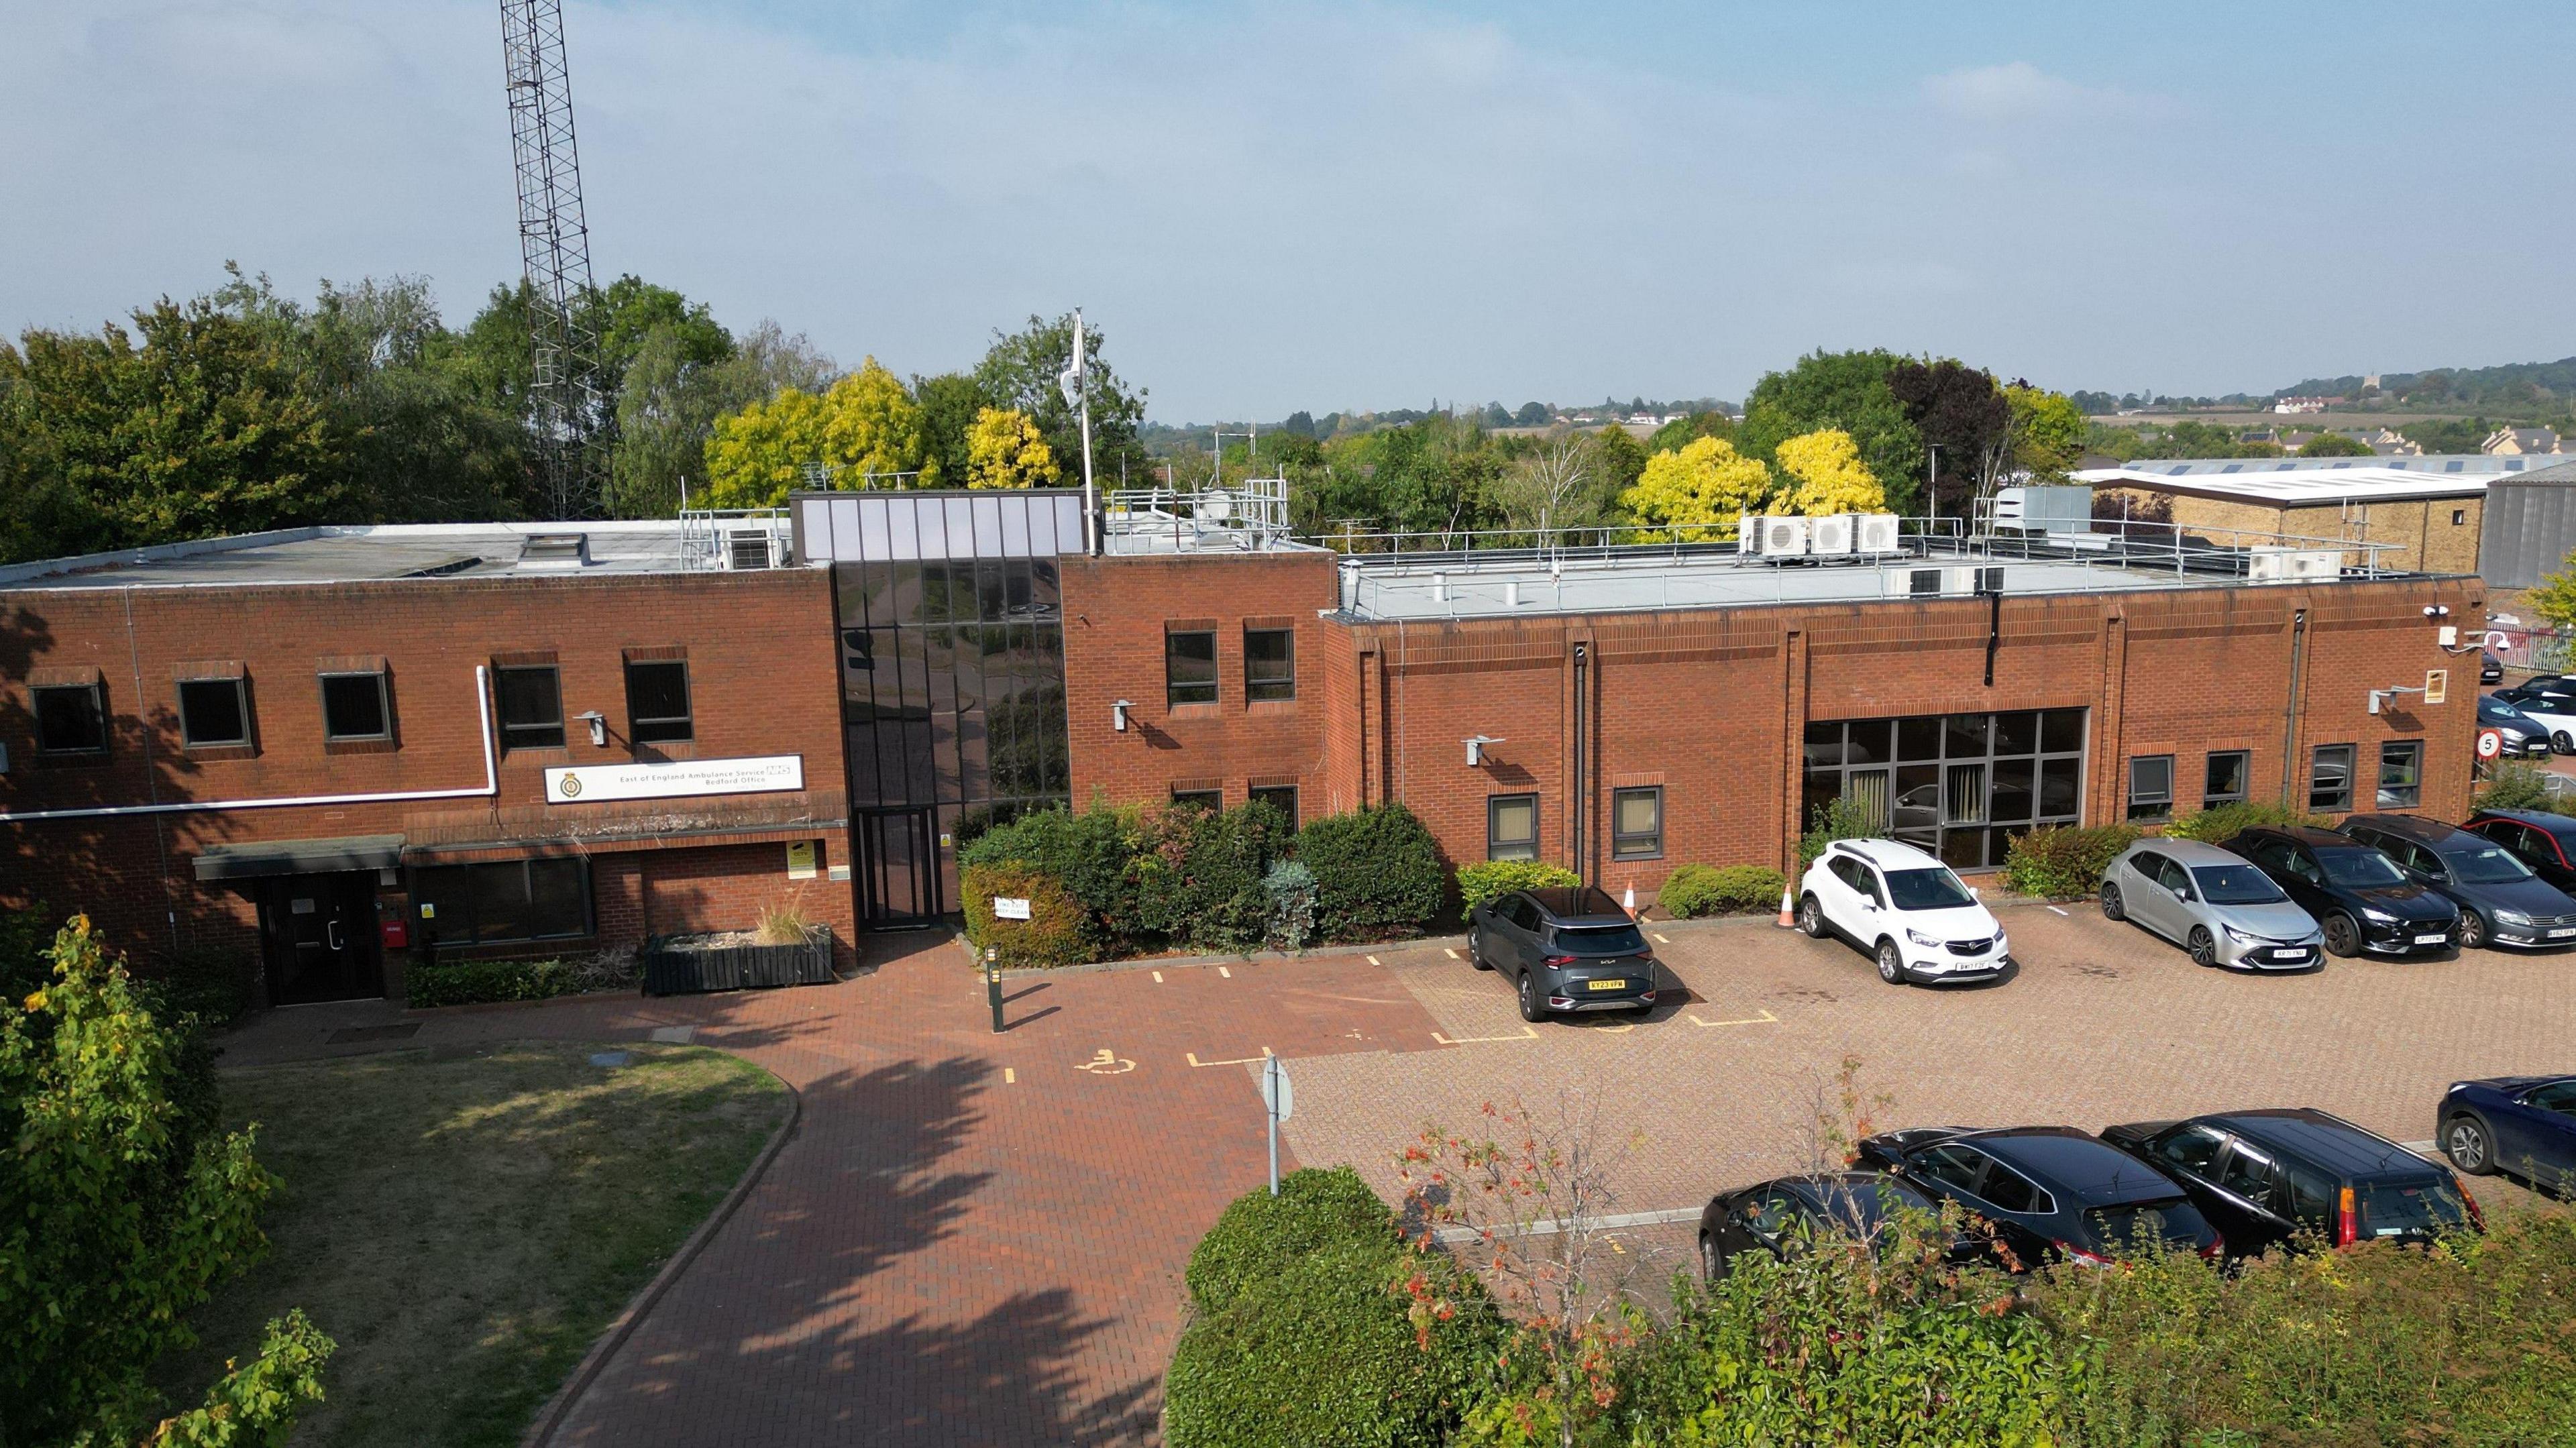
(2414, 1206)
(2360, 869)
(2498, 711)
(1599, 939)
(2485, 865)
(2236, 885)
(1936, 889)
(2133, 1225)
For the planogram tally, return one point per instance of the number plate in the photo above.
(2295, 953)
(1606, 985)
(2561, 934)
(2431, 939)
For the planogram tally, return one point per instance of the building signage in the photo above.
(800, 860)
(591, 783)
(1007, 908)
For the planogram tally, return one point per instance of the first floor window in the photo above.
(355, 706)
(1269, 665)
(2231, 771)
(504, 901)
(657, 702)
(2401, 774)
(71, 720)
(2330, 779)
(1189, 667)
(213, 712)
(1636, 824)
(1281, 797)
(1511, 827)
(531, 707)
(1206, 799)
(2151, 787)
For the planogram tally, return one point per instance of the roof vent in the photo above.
(555, 550)
(750, 548)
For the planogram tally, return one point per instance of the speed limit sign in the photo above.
(2490, 744)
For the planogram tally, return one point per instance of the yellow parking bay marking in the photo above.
(1373, 959)
(1106, 1063)
(1158, 977)
(1193, 1058)
(1613, 1030)
(1764, 1019)
(1228, 974)
(1526, 1035)
(1010, 1077)
(1663, 939)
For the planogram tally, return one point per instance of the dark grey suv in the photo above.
(1568, 948)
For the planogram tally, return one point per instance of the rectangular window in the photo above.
(1636, 824)
(1281, 797)
(505, 901)
(1269, 665)
(2459, 517)
(2231, 771)
(1206, 799)
(1189, 667)
(2151, 787)
(657, 702)
(71, 720)
(2330, 779)
(1511, 827)
(531, 706)
(355, 706)
(213, 713)
(2401, 774)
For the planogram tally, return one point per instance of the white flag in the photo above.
(1071, 378)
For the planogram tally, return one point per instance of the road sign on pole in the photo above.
(1279, 1102)
(2490, 743)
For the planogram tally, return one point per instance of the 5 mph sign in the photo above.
(2490, 743)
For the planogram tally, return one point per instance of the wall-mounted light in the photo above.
(1118, 715)
(598, 723)
(1476, 750)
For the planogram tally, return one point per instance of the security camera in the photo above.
(2437, 610)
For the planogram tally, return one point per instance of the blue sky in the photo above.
(1335, 206)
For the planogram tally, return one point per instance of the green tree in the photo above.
(2555, 599)
(669, 400)
(2048, 430)
(1617, 454)
(1020, 372)
(1672, 436)
(1846, 390)
(1700, 490)
(950, 402)
(2335, 445)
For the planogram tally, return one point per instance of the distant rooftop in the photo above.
(2318, 480)
(415, 550)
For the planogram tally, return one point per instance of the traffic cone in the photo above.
(1629, 903)
(1788, 910)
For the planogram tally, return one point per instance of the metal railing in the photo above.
(1249, 515)
(703, 535)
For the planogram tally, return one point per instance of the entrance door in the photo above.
(899, 867)
(319, 934)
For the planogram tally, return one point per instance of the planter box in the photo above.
(684, 964)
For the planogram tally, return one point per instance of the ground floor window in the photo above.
(504, 901)
(2401, 774)
(1281, 797)
(2150, 788)
(1206, 799)
(1511, 827)
(1637, 824)
(2229, 778)
(2330, 779)
(1959, 785)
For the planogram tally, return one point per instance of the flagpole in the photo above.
(1076, 383)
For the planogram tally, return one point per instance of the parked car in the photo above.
(2490, 668)
(2544, 841)
(2050, 1193)
(1564, 948)
(1779, 1218)
(2212, 903)
(2263, 1177)
(2522, 1124)
(2523, 736)
(1905, 908)
(2551, 705)
(2501, 901)
(2361, 900)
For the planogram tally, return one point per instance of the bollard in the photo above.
(993, 983)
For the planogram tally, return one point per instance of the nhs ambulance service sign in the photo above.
(592, 783)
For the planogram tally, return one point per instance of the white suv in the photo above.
(1904, 907)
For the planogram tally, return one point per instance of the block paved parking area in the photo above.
(978, 1239)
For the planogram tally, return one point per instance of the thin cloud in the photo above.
(2016, 90)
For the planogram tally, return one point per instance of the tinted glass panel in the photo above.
(2177, 1223)
(2330, 778)
(70, 721)
(1511, 827)
(1927, 890)
(1918, 739)
(2401, 774)
(2194, 1149)
(1871, 741)
(2007, 1189)
(2360, 869)
(2151, 787)
(1965, 736)
(2236, 885)
(657, 701)
(211, 711)
(353, 706)
(2305, 1198)
(1601, 940)
(1269, 665)
(2410, 1207)
(1823, 745)
(1282, 798)
(1636, 823)
(2227, 778)
(531, 708)
(2061, 783)
(2061, 731)
(2017, 733)
(1189, 667)
(508, 900)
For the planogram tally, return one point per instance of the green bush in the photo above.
(1199, 881)
(1481, 882)
(1378, 873)
(479, 982)
(1093, 853)
(1290, 887)
(2218, 824)
(213, 983)
(1057, 932)
(1842, 818)
(1711, 890)
(2520, 786)
(2061, 862)
(1259, 1236)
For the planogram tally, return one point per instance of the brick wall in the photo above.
(2424, 536)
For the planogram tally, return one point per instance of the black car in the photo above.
(2490, 668)
(2264, 1177)
(2523, 736)
(2501, 901)
(2051, 1193)
(2544, 841)
(2361, 900)
(1565, 948)
(2522, 1124)
(1778, 1218)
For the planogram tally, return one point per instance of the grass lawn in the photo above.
(465, 1227)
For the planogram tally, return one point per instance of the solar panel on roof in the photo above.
(2453, 466)
(2233, 468)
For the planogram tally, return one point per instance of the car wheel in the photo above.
(2563, 742)
(1712, 1262)
(2343, 938)
(2203, 946)
(1476, 950)
(2473, 930)
(2466, 1142)
(1891, 964)
(1811, 918)
(1533, 1006)
(2112, 908)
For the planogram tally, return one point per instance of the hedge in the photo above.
(1259, 1236)
(1092, 853)
(1057, 931)
(478, 982)
(1479, 883)
(2218, 824)
(1378, 873)
(1711, 890)
(1198, 882)
(2061, 862)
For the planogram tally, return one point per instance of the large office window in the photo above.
(356, 707)
(1189, 666)
(2229, 778)
(1959, 785)
(531, 706)
(214, 713)
(71, 719)
(1269, 665)
(1210, 800)
(1511, 827)
(657, 701)
(1281, 797)
(2401, 774)
(2330, 779)
(504, 901)
(1637, 824)
(2150, 788)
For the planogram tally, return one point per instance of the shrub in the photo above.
(1093, 854)
(1199, 882)
(1057, 932)
(1710, 890)
(2519, 786)
(1291, 889)
(1259, 1236)
(1378, 873)
(2061, 862)
(2218, 824)
(480, 982)
(1842, 818)
(1479, 883)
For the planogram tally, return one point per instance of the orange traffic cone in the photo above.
(1788, 910)
(1630, 902)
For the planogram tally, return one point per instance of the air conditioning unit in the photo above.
(1748, 534)
(1876, 533)
(2290, 565)
(1830, 536)
(1938, 582)
(749, 548)
(1784, 537)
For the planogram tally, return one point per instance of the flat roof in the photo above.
(2311, 481)
(372, 554)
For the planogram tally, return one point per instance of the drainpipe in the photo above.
(1574, 812)
(2290, 714)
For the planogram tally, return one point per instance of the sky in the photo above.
(1365, 206)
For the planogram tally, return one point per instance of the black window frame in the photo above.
(2339, 802)
(1497, 848)
(384, 705)
(2385, 797)
(1271, 793)
(2210, 794)
(239, 688)
(659, 728)
(1634, 845)
(1173, 684)
(510, 733)
(425, 887)
(1281, 688)
(2141, 808)
(98, 719)
(1211, 800)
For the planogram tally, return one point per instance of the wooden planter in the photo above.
(686, 964)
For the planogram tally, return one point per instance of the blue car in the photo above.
(2525, 1125)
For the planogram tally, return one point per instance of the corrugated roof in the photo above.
(2310, 481)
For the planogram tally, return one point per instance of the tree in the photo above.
(2048, 430)
(1959, 410)
(2335, 445)
(1532, 414)
(1672, 435)
(1846, 390)
(2555, 599)
(668, 404)
(864, 432)
(757, 455)
(1004, 450)
(1826, 476)
(1700, 490)
(873, 429)
(1020, 372)
(1555, 487)
(1494, 415)
(1619, 456)
(1300, 423)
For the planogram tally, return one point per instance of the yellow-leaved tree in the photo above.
(865, 431)
(756, 455)
(1826, 476)
(1699, 490)
(1004, 449)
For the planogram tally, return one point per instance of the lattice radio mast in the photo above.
(554, 249)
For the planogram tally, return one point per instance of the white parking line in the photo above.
(1451, 1236)
(1373, 959)
(1662, 939)
(1223, 971)
(1444, 950)
(2053, 910)
(1158, 977)
(1526, 1034)
(1010, 1077)
(1764, 1019)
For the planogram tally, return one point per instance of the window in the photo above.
(1281, 797)
(1210, 800)
(2558, 1096)
(1269, 665)
(2007, 1189)
(2151, 787)
(2248, 1174)
(2306, 1198)
(531, 707)
(1189, 667)
(1636, 824)
(1956, 1167)
(2230, 774)
(213, 713)
(2459, 517)
(1958, 785)
(2330, 779)
(1511, 827)
(356, 706)
(2401, 774)
(2194, 1149)
(71, 720)
(657, 702)
(505, 901)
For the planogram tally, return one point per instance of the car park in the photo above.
(1780, 1218)
(2502, 902)
(1565, 949)
(2521, 736)
(2361, 900)
(2544, 841)
(2551, 705)
(1907, 910)
(2490, 668)
(2050, 1193)
(2212, 903)
(2525, 1125)
(2268, 1178)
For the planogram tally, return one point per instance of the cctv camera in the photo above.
(2437, 610)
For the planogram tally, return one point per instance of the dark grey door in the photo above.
(899, 869)
(318, 933)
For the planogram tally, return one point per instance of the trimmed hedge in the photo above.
(479, 982)
(1260, 1236)
(2062, 862)
(1711, 889)
(1057, 931)
(1092, 853)
(1378, 873)
(1481, 882)
(1198, 884)
(2220, 823)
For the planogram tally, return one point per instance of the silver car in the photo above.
(2211, 903)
